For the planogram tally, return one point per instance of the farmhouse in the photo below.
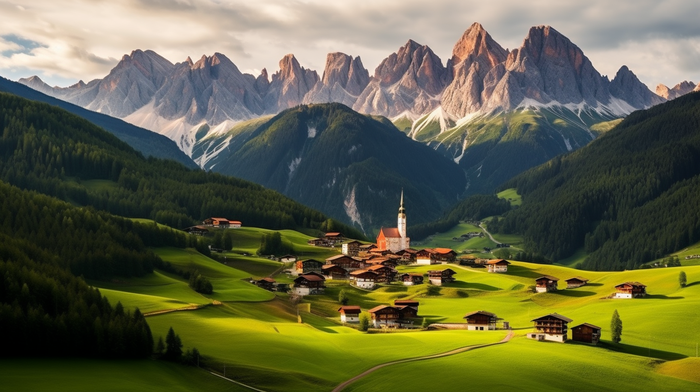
(444, 255)
(364, 279)
(351, 248)
(411, 279)
(386, 261)
(498, 265)
(407, 255)
(575, 282)
(310, 265)
(408, 303)
(367, 247)
(392, 316)
(332, 271)
(311, 283)
(630, 290)
(216, 222)
(438, 278)
(235, 224)
(347, 262)
(350, 314)
(552, 327)
(333, 238)
(287, 258)
(197, 230)
(394, 238)
(546, 283)
(266, 283)
(385, 274)
(481, 320)
(586, 333)
(425, 257)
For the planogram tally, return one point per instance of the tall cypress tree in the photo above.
(616, 327)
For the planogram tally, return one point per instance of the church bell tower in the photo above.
(401, 224)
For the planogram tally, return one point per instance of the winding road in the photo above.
(344, 384)
(488, 234)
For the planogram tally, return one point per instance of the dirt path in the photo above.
(488, 234)
(344, 384)
(236, 382)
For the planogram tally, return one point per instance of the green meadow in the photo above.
(255, 334)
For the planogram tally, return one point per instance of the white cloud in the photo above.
(83, 39)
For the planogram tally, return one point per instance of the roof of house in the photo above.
(332, 258)
(588, 325)
(334, 234)
(380, 307)
(350, 309)
(353, 242)
(547, 277)
(578, 278)
(362, 271)
(408, 302)
(443, 251)
(390, 232)
(235, 222)
(555, 315)
(267, 279)
(631, 284)
(312, 277)
(213, 218)
(480, 312)
(329, 266)
(498, 261)
(377, 267)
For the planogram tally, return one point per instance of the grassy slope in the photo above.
(512, 196)
(89, 375)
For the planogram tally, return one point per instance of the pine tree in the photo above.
(616, 327)
(682, 279)
(160, 346)
(364, 322)
(173, 345)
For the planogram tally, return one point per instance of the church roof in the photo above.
(390, 232)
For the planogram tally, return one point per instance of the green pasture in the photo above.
(444, 240)
(247, 240)
(526, 365)
(512, 196)
(91, 375)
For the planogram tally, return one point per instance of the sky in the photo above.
(63, 41)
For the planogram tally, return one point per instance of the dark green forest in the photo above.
(630, 197)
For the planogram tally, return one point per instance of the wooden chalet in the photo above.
(380, 252)
(439, 278)
(386, 261)
(425, 257)
(446, 255)
(367, 247)
(266, 283)
(480, 320)
(309, 265)
(392, 316)
(411, 279)
(351, 248)
(347, 262)
(287, 259)
(498, 265)
(552, 327)
(385, 274)
(350, 314)
(630, 290)
(408, 256)
(364, 279)
(235, 224)
(332, 239)
(197, 230)
(316, 242)
(333, 271)
(546, 283)
(575, 282)
(309, 284)
(408, 302)
(586, 333)
(216, 222)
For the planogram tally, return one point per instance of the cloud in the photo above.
(657, 38)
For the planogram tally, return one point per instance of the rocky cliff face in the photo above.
(344, 79)
(289, 85)
(410, 80)
(681, 88)
(628, 88)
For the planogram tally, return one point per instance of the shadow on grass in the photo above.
(523, 272)
(641, 351)
(659, 296)
(693, 284)
(575, 293)
(475, 286)
(594, 284)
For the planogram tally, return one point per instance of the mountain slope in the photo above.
(345, 164)
(631, 196)
(143, 140)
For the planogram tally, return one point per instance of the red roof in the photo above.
(349, 309)
(498, 261)
(390, 232)
(443, 251)
(332, 234)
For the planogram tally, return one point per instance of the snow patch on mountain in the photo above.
(312, 132)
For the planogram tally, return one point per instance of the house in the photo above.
(316, 242)
(347, 262)
(266, 283)
(385, 274)
(351, 248)
(386, 261)
(497, 265)
(332, 271)
(308, 284)
(439, 278)
(385, 315)
(552, 327)
(287, 259)
(444, 255)
(407, 256)
(630, 290)
(197, 230)
(367, 248)
(216, 222)
(480, 321)
(309, 265)
(235, 224)
(546, 283)
(333, 238)
(586, 333)
(408, 303)
(395, 238)
(350, 314)
(575, 282)
(411, 279)
(364, 279)
(425, 257)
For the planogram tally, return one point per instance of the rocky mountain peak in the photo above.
(344, 78)
(627, 87)
(289, 85)
(676, 91)
(477, 43)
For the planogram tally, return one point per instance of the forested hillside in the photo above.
(46, 149)
(628, 198)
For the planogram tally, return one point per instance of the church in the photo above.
(394, 238)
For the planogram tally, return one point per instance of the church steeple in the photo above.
(401, 224)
